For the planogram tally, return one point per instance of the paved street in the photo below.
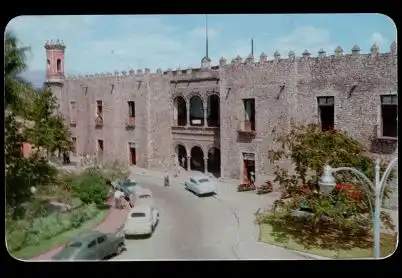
(216, 228)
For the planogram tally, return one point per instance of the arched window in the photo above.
(58, 65)
(48, 63)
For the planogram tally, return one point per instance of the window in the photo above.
(73, 105)
(101, 239)
(193, 181)
(137, 214)
(131, 109)
(58, 65)
(75, 244)
(249, 114)
(203, 180)
(389, 115)
(99, 108)
(326, 112)
(100, 145)
(92, 244)
(48, 63)
(74, 150)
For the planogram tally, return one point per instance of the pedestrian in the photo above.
(117, 198)
(166, 179)
(252, 178)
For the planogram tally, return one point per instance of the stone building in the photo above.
(223, 119)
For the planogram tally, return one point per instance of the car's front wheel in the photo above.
(120, 248)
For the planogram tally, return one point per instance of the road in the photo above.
(190, 228)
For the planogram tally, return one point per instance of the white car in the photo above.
(142, 195)
(141, 220)
(200, 185)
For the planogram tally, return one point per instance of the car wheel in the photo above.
(120, 248)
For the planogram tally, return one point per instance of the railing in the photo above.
(246, 127)
(99, 121)
(130, 122)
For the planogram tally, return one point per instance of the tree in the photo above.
(16, 89)
(91, 187)
(310, 149)
(49, 130)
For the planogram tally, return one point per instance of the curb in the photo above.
(60, 245)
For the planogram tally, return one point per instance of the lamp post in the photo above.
(327, 183)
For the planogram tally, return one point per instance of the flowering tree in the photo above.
(309, 148)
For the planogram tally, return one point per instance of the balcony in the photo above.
(73, 122)
(201, 133)
(130, 123)
(246, 128)
(98, 121)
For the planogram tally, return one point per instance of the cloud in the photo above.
(380, 40)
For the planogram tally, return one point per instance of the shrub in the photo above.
(90, 187)
(310, 149)
(24, 233)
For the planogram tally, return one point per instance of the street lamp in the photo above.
(327, 183)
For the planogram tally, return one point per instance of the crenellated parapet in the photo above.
(121, 75)
(306, 55)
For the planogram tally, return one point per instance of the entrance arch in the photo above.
(196, 111)
(213, 117)
(180, 111)
(214, 162)
(197, 159)
(182, 156)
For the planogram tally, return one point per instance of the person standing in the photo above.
(117, 198)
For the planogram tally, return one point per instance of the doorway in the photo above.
(132, 154)
(248, 167)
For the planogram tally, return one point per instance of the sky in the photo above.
(105, 43)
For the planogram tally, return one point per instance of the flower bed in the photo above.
(245, 187)
(265, 188)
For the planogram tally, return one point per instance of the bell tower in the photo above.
(55, 68)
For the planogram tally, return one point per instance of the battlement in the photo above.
(213, 73)
(306, 56)
(57, 44)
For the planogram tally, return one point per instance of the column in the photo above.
(205, 104)
(205, 165)
(188, 162)
(188, 112)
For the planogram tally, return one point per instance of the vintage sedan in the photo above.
(92, 246)
(200, 185)
(127, 186)
(141, 220)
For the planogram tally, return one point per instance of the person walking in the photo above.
(117, 198)
(166, 183)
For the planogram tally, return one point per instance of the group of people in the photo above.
(121, 200)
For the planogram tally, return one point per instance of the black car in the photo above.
(127, 187)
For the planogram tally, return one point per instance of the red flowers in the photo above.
(351, 190)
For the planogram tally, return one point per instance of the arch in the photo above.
(197, 159)
(196, 111)
(48, 63)
(181, 155)
(179, 111)
(213, 113)
(214, 162)
(58, 65)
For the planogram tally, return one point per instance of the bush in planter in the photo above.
(310, 149)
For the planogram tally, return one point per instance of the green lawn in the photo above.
(324, 245)
(36, 250)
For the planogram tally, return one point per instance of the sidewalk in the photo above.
(113, 223)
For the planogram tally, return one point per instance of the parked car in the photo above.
(141, 193)
(127, 186)
(92, 246)
(200, 185)
(141, 220)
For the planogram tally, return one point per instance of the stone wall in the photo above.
(285, 91)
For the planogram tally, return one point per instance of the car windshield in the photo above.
(203, 180)
(137, 214)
